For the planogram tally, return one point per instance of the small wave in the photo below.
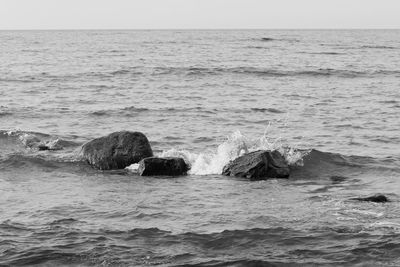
(35, 139)
(126, 111)
(257, 47)
(267, 39)
(134, 109)
(5, 113)
(392, 101)
(270, 39)
(27, 79)
(271, 110)
(130, 71)
(318, 164)
(378, 47)
(213, 239)
(332, 72)
(325, 53)
(203, 139)
(99, 113)
(322, 72)
(63, 221)
(237, 263)
(119, 72)
(113, 51)
(9, 226)
(21, 134)
(18, 161)
(385, 224)
(39, 256)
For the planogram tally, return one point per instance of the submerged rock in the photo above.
(50, 145)
(378, 198)
(258, 165)
(43, 147)
(117, 150)
(170, 166)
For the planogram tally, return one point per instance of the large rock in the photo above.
(170, 166)
(117, 150)
(258, 165)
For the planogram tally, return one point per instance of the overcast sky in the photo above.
(180, 14)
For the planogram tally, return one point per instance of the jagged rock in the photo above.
(170, 166)
(258, 165)
(117, 150)
(378, 198)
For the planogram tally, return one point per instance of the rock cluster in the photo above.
(121, 149)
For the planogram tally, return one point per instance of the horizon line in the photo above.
(189, 29)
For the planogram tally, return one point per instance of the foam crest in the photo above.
(235, 145)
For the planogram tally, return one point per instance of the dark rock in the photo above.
(258, 165)
(117, 150)
(50, 145)
(162, 166)
(378, 198)
(43, 147)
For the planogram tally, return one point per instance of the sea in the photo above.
(329, 100)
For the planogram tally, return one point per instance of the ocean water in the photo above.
(329, 99)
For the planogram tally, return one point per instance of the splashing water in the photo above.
(237, 144)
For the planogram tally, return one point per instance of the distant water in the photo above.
(329, 99)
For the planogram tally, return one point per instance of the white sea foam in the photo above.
(28, 139)
(133, 167)
(385, 224)
(237, 144)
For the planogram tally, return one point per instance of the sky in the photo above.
(198, 14)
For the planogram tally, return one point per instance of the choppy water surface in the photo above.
(202, 95)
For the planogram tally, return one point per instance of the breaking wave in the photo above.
(304, 163)
(24, 148)
(34, 139)
(213, 161)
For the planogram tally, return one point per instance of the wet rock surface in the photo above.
(170, 166)
(117, 150)
(258, 165)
